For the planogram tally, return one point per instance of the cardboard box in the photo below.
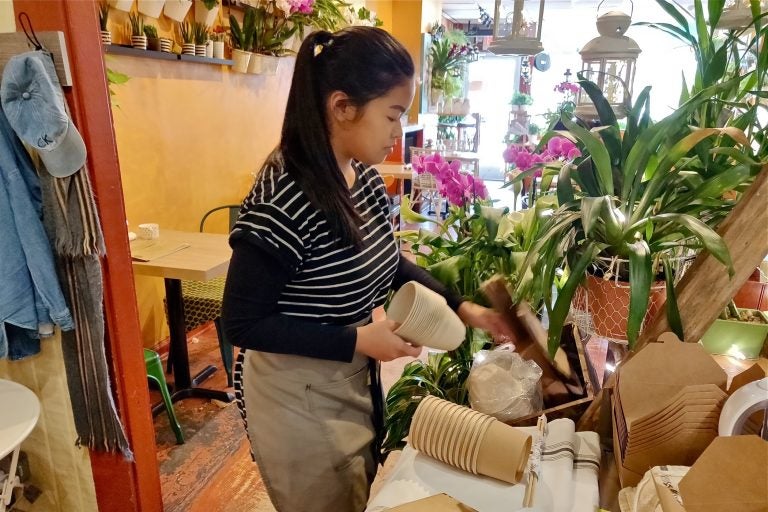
(436, 503)
(731, 475)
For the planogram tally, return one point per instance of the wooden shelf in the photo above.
(151, 54)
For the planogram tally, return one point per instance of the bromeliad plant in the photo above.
(475, 242)
(638, 196)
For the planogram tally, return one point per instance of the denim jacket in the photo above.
(30, 295)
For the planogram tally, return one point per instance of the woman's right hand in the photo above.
(378, 340)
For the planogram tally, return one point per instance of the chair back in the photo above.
(234, 211)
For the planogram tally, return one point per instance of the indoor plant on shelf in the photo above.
(106, 35)
(242, 39)
(136, 24)
(520, 100)
(447, 56)
(276, 21)
(630, 208)
(153, 42)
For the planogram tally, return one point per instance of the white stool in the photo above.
(19, 410)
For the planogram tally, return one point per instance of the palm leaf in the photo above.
(640, 278)
(673, 312)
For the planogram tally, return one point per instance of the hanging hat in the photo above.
(33, 102)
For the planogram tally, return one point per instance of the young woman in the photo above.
(313, 255)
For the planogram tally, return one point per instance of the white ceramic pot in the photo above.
(166, 45)
(177, 9)
(269, 64)
(203, 15)
(122, 5)
(151, 8)
(139, 42)
(106, 37)
(188, 49)
(200, 50)
(254, 65)
(218, 49)
(241, 61)
(209, 49)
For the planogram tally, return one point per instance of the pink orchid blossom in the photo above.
(458, 187)
(558, 148)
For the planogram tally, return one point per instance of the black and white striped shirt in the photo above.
(330, 284)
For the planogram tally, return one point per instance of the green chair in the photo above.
(202, 300)
(155, 372)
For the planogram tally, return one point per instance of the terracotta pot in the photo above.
(607, 303)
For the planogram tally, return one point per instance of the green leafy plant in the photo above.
(210, 4)
(326, 15)
(103, 15)
(446, 60)
(242, 38)
(115, 78)
(273, 28)
(136, 23)
(150, 31)
(721, 56)
(636, 196)
(200, 33)
(521, 99)
(187, 32)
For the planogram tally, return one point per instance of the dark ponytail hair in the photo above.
(365, 63)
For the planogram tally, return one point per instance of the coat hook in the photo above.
(29, 32)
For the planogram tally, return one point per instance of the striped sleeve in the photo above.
(269, 220)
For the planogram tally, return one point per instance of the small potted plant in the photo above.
(520, 100)
(138, 39)
(218, 34)
(206, 11)
(738, 332)
(106, 36)
(187, 32)
(153, 42)
(242, 40)
(201, 37)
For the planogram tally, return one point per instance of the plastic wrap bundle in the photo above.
(504, 385)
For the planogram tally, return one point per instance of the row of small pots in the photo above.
(214, 49)
(175, 9)
(254, 63)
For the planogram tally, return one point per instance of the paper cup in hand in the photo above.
(150, 231)
(425, 318)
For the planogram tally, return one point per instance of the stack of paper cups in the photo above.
(425, 318)
(469, 440)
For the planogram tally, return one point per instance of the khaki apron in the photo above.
(312, 429)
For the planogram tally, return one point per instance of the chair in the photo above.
(202, 300)
(155, 372)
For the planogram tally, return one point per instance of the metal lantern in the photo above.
(609, 61)
(737, 14)
(517, 27)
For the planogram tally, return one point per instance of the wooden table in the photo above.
(206, 257)
(19, 411)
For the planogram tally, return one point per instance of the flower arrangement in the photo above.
(218, 33)
(362, 16)
(524, 158)
(447, 56)
(457, 187)
(273, 23)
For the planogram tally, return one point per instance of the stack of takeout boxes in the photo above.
(666, 405)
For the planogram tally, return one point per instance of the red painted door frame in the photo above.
(121, 486)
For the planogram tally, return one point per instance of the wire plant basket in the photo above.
(600, 305)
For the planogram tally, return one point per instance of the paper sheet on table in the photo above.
(148, 250)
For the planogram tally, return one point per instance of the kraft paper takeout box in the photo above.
(436, 503)
(645, 383)
(729, 476)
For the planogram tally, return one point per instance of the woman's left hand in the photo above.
(480, 317)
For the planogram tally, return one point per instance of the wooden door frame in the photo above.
(127, 486)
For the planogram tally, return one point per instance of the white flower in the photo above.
(283, 5)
